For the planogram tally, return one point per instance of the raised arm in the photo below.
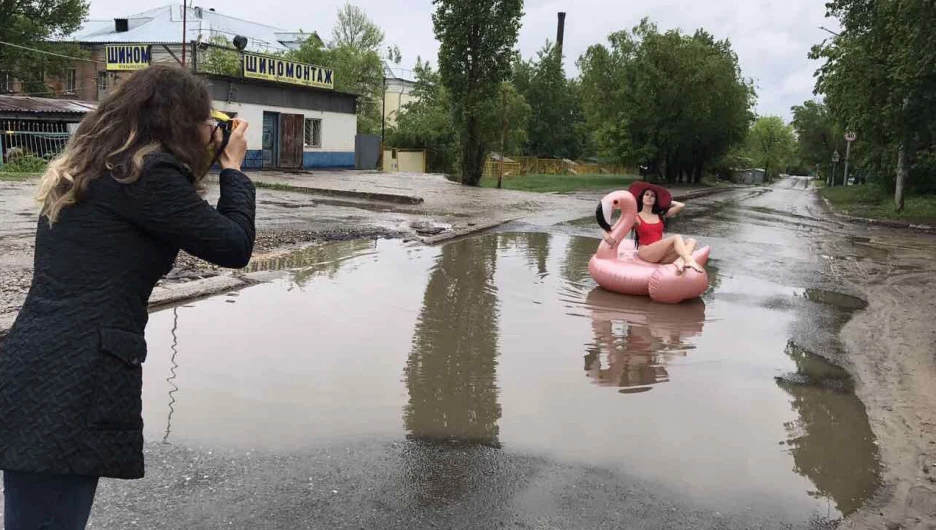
(164, 203)
(675, 208)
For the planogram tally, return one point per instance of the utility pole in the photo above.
(850, 137)
(184, 32)
(500, 175)
(383, 122)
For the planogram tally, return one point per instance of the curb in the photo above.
(471, 230)
(329, 192)
(877, 222)
(166, 295)
(182, 292)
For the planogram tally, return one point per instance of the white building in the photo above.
(291, 127)
(294, 124)
(398, 92)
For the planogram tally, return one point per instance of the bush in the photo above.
(25, 164)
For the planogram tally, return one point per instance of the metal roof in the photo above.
(31, 105)
(163, 25)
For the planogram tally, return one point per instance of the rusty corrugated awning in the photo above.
(32, 105)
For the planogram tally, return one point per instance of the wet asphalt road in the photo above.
(761, 239)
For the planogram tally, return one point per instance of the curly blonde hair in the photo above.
(158, 109)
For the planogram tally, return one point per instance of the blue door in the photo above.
(270, 139)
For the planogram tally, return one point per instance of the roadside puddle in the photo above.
(503, 340)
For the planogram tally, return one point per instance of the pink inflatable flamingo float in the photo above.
(617, 268)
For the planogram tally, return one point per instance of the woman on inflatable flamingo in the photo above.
(668, 269)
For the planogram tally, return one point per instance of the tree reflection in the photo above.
(534, 246)
(578, 252)
(831, 441)
(633, 337)
(450, 373)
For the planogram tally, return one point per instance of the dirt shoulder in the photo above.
(892, 352)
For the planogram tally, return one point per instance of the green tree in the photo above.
(476, 40)
(427, 121)
(555, 123)
(355, 55)
(356, 30)
(510, 110)
(817, 135)
(33, 24)
(673, 102)
(219, 60)
(771, 145)
(877, 80)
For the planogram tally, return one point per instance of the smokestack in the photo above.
(560, 32)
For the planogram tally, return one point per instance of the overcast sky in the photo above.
(771, 37)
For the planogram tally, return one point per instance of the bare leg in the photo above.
(670, 250)
(658, 252)
(690, 248)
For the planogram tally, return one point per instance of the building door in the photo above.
(366, 151)
(291, 139)
(270, 139)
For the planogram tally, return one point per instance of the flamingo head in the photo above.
(616, 200)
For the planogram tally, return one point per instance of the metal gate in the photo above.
(27, 144)
(366, 151)
(291, 141)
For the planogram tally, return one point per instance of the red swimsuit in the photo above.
(649, 233)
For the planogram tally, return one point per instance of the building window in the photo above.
(70, 81)
(102, 81)
(313, 132)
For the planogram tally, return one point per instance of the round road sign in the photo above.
(851, 137)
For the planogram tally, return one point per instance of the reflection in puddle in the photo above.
(829, 440)
(839, 300)
(635, 336)
(450, 373)
(316, 260)
(479, 344)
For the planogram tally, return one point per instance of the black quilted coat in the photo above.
(71, 366)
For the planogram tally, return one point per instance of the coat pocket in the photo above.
(117, 403)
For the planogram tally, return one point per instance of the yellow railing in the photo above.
(531, 165)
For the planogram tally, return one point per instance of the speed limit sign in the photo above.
(851, 137)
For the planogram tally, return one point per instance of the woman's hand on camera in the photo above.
(236, 150)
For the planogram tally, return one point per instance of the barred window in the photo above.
(313, 132)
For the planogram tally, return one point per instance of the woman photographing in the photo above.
(116, 208)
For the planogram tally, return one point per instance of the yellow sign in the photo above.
(128, 57)
(274, 69)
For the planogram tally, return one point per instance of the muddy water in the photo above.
(503, 340)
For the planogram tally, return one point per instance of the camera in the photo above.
(225, 123)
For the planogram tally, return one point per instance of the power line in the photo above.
(49, 53)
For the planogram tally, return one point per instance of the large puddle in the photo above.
(504, 340)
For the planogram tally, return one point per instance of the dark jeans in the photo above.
(47, 502)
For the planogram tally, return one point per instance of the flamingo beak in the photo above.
(603, 213)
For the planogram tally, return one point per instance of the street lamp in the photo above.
(823, 28)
